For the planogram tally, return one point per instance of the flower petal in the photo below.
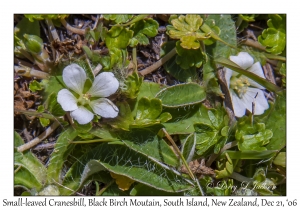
(74, 77)
(228, 74)
(82, 115)
(67, 100)
(104, 108)
(238, 105)
(256, 69)
(261, 103)
(243, 59)
(104, 85)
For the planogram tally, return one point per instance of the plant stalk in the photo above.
(38, 139)
(159, 63)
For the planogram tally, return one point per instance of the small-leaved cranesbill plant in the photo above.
(104, 85)
(245, 91)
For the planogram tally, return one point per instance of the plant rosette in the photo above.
(245, 91)
(104, 85)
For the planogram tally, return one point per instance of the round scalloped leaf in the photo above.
(274, 40)
(181, 95)
(118, 37)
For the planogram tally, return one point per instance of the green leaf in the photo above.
(274, 40)
(33, 43)
(280, 159)
(124, 161)
(93, 56)
(118, 18)
(274, 37)
(227, 166)
(133, 83)
(186, 94)
(44, 121)
(124, 118)
(148, 113)
(144, 190)
(189, 58)
(118, 37)
(252, 137)
(176, 70)
(189, 147)
(27, 27)
(26, 179)
(233, 66)
(44, 16)
(142, 30)
(30, 165)
(53, 106)
(148, 143)
(186, 28)
(61, 149)
(34, 86)
(223, 188)
(262, 184)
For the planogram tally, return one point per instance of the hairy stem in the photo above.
(35, 113)
(38, 139)
(158, 63)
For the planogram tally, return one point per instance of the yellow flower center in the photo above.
(239, 85)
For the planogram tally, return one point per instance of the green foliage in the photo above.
(27, 27)
(33, 43)
(118, 18)
(262, 184)
(227, 167)
(118, 37)
(244, 20)
(142, 30)
(186, 95)
(189, 58)
(29, 171)
(274, 37)
(45, 16)
(282, 71)
(176, 70)
(187, 29)
(211, 131)
(35, 85)
(133, 83)
(252, 137)
(280, 159)
(149, 113)
(44, 121)
(61, 149)
(144, 190)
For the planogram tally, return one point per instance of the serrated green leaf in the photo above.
(186, 28)
(133, 83)
(142, 30)
(26, 179)
(118, 37)
(186, 94)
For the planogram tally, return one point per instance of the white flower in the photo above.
(104, 85)
(243, 90)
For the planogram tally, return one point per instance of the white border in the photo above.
(8, 8)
